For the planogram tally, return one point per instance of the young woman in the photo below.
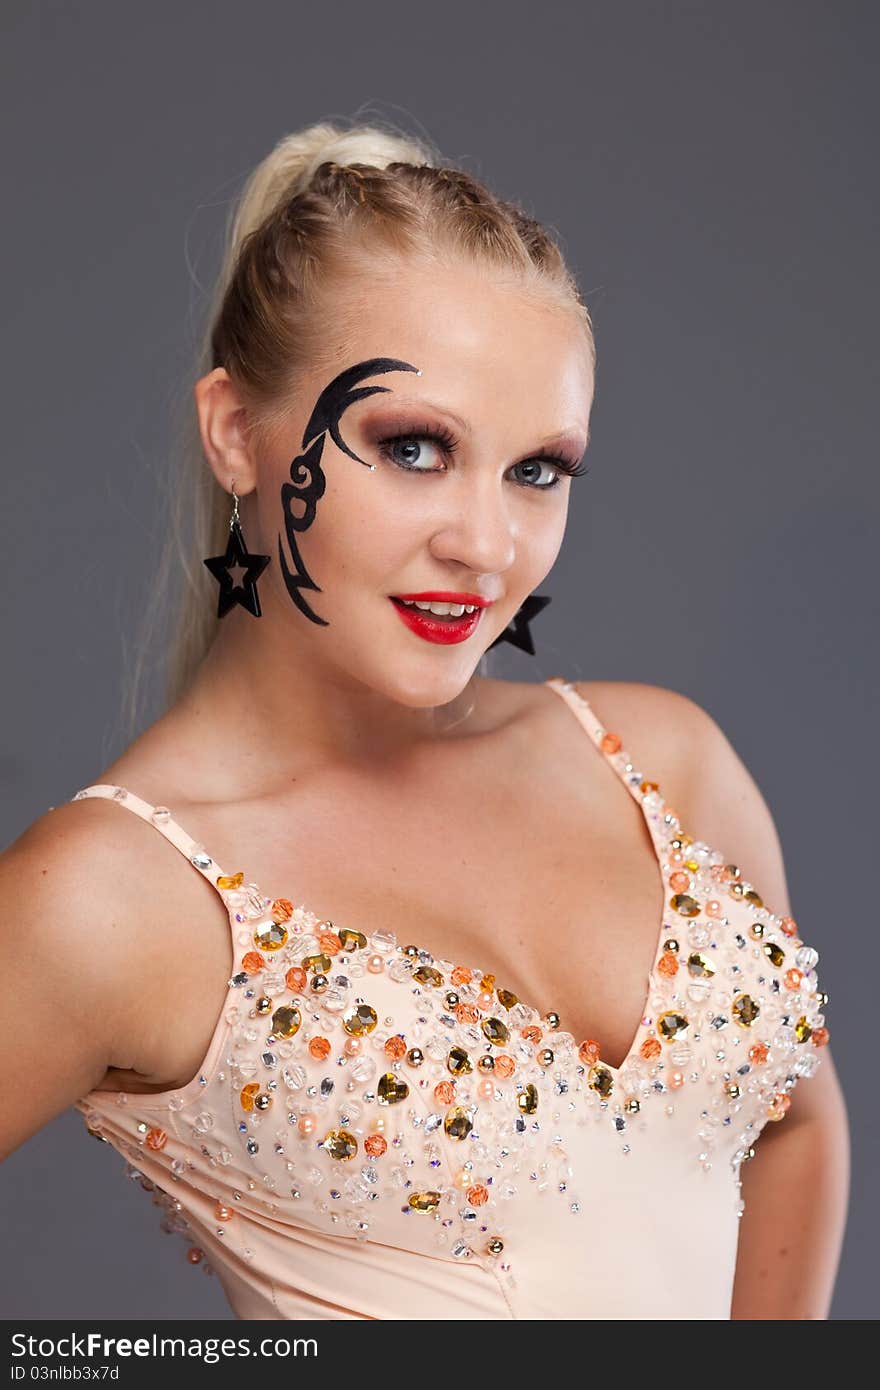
(416, 993)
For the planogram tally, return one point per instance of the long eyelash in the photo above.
(447, 440)
(572, 470)
(438, 434)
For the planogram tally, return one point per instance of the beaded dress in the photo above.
(376, 1132)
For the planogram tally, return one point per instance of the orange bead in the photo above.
(329, 942)
(649, 787)
(820, 1037)
(395, 1047)
(487, 982)
(650, 1049)
(461, 975)
(444, 1092)
(252, 963)
(222, 1212)
(231, 880)
(319, 1048)
(282, 910)
(467, 1013)
(611, 743)
(792, 978)
(668, 964)
(375, 1145)
(758, 1053)
(247, 1093)
(714, 909)
(195, 1255)
(679, 881)
(504, 1066)
(478, 1195)
(589, 1052)
(157, 1139)
(531, 1034)
(778, 1107)
(789, 926)
(296, 979)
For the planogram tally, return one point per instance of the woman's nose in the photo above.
(477, 531)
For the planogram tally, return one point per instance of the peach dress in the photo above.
(378, 1132)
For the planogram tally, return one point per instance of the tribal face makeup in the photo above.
(307, 481)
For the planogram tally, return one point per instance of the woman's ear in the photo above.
(222, 426)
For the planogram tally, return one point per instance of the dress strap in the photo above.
(608, 743)
(161, 818)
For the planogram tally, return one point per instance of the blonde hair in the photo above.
(327, 202)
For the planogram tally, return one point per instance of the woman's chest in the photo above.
(545, 879)
(538, 871)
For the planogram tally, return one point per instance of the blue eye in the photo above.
(539, 463)
(406, 451)
(393, 446)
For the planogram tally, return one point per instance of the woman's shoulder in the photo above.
(638, 705)
(95, 885)
(677, 743)
(67, 886)
(663, 730)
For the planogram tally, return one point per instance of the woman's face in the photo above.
(476, 512)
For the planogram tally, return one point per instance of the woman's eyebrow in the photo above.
(404, 402)
(573, 437)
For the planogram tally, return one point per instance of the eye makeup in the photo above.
(384, 437)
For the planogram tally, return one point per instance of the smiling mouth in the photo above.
(437, 627)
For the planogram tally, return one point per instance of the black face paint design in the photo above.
(308, 482)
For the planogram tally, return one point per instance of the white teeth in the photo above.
(454, 610)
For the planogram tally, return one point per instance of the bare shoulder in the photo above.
(62, 869)
(660, 720)
(101, 898)
(682, 747)
(73, 874)
(661, 729)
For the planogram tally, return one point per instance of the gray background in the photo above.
(711, 169)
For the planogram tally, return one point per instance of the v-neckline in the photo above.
(622, 767)
(632, 779)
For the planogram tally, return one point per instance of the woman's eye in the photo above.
(413, 452)
(409, 451)
(533, 473)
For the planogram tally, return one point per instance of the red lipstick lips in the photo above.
(430, 627)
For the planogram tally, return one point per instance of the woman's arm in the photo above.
(65, 967)
(796, 1191)
(796, 1188)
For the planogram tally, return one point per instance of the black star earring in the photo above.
(517, 633)
(240, 587)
